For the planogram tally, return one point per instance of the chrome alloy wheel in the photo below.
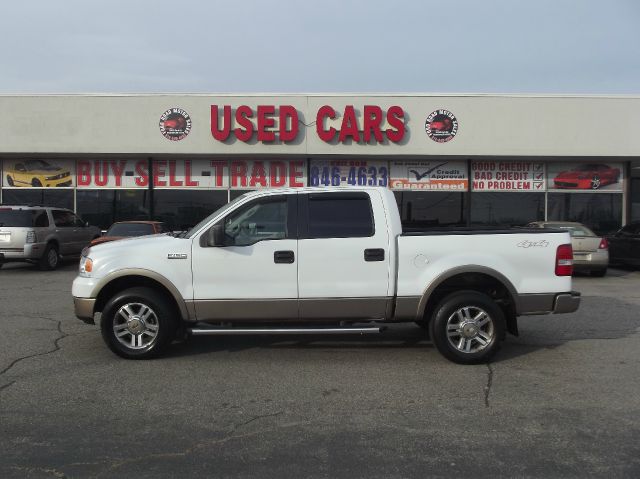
(470, 329)
(135, 326)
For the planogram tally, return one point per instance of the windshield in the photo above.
(130, 229)
(37, 165)
(217, 212)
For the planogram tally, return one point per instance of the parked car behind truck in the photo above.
(128, 229)
(310, 261)
(42, 235)
(625, 245)
(590, 251)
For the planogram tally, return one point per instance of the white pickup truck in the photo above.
(322, 261)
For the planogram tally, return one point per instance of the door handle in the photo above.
(285, 257)
(374, 254)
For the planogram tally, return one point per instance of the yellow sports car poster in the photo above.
(36, 173)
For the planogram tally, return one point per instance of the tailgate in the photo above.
(12, 239)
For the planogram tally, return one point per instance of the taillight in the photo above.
(31, 237)
(604, 244)
(564, 260)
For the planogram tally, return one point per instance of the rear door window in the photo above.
(343, 215)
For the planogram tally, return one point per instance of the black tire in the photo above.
(9, 180)
(480, 321)
(598, 273)
(149, 342)
(36, 183)
(50, 258)
(595, 182)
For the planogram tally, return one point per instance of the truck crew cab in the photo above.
(322, 261)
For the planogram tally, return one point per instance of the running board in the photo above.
(260, 331)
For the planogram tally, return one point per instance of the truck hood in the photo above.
(156, 252)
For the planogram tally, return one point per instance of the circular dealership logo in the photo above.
(441, 126)
(175, 124)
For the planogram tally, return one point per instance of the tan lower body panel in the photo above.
(344, 308)
(290, 309)
(246, 309)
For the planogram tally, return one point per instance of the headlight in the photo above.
(86, 266)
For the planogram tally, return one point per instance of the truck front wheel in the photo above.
(138, 323)
(467, 326)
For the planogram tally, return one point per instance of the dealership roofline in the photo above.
(329, 94)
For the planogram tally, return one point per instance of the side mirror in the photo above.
(213, 237)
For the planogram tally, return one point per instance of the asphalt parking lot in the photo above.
(562, 400)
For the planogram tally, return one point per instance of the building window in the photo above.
(104, 207)
(635, 199)
(233, 194)
(54, 197)
(506, 209)
(182, 209)
(602, 212)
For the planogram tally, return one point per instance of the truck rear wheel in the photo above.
(138, 323)
(467, 327)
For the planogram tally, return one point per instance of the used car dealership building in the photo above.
(450, 159)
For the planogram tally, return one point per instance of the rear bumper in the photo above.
(545, 303)
(31, 251)
(595, 260)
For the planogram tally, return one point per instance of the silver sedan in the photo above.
(590, 251)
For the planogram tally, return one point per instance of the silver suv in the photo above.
(42, 235)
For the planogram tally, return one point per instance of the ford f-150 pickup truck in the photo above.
(322, 261)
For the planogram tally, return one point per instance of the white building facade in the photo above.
(450, 159)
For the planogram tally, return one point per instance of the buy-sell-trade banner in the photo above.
(191, 173)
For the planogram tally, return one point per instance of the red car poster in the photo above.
(584, 176)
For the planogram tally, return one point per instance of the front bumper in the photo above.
(545, 303)
(83, 308)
